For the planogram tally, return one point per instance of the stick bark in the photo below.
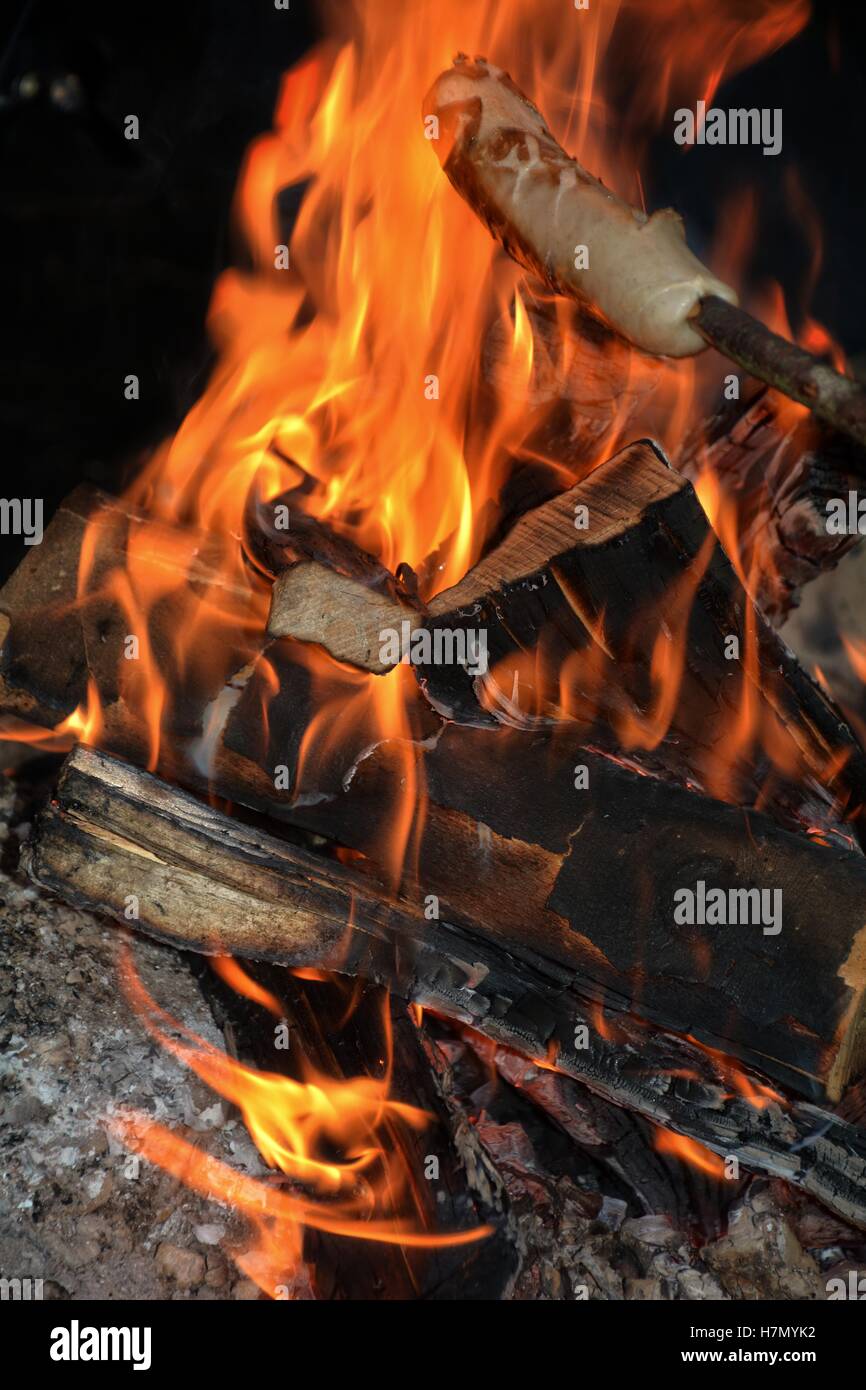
(836, 400)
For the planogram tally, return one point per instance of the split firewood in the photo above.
(777, 476)
(114, 835)
(571, 617)
(344, 600)
(603, 587)
(326, 589)
(645, 537)
(586, 878)
(501, 823)
(497, 836)
(583, 241)
(329, 591)
(56, 648)
(777, 469)
(313, 603)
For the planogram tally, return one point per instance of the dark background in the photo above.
(110, 247)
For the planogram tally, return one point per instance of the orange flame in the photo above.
(666, 1142)
(351, 355)
(367, 1193)
(234, 974)
(855, 650)
(758, 1094)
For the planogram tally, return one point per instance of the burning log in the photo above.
(576, 625)
(510, 847)
(329, 591)
(640, 586)
(69, 612)
(584, 242)
(573, 617)
(777, 478)
(116, 839)
(570, 893)
(506, 848)
(777, 469)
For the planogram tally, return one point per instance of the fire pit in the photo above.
(424, 698)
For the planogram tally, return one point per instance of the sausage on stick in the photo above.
(559, 222)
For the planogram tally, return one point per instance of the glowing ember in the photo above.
(758, 1095)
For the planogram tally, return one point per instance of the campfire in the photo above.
(428, 683)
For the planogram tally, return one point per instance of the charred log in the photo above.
(574, 621)
(70, 619)
(777, 476)
(602, 588)
(204, 881)
(573, 896)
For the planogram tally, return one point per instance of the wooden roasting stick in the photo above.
(115, 835)
(835, 399)
(543, 206)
